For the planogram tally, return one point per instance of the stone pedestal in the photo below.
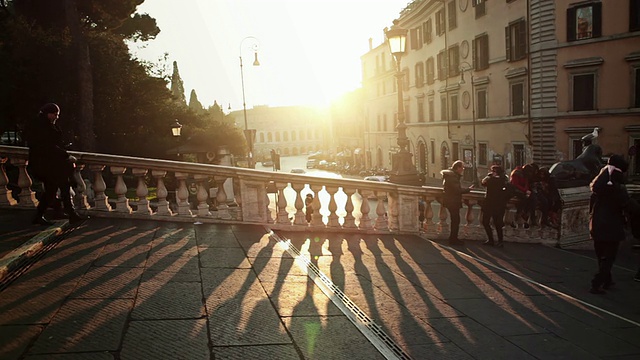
(574, 218)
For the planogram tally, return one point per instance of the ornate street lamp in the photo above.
(474, 156)
(248, 133)
(403, 171)
(176, 131)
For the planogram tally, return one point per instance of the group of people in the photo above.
(610, 207)
(531, 185)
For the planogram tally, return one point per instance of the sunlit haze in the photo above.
(309, 50)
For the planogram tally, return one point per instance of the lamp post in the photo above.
(176, 131)
(403, 171)
(474, 156)
(248, 133)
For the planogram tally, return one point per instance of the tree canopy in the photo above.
(75, 53)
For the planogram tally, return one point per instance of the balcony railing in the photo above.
(248, 196)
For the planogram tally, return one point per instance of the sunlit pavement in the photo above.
(156, 290)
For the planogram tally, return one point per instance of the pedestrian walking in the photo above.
(607, 205)
(495, 203)
(452, 197)
(50, 163)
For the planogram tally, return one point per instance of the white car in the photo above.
(380, 178)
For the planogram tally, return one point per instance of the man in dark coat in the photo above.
(495, 203)
(50, 163)
(452, 197)
(607, 205)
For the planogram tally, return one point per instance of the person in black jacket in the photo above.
(607, 205)
(452, 197)
(50, 163)
(495, 203)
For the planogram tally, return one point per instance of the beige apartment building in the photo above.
(513, 77)
(289, 130)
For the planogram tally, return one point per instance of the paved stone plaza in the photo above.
(127, 289)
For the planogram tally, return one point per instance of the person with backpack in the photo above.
(495, 203)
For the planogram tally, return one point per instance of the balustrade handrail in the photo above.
(265, 197)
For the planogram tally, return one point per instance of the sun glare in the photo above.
(309, 50)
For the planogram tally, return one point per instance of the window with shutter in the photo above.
(440, 22)
(428, 31)
(430, 71)
(584, 21)
(453, 105)
(419, 70)
(442, 65)
(584, 92)
(482, 103)
(452, 16)
(636, 87)
(517, 99)
(413, 38)
(443, 108)
(516, 40)
(480, 47)
(634, 16)
(454, 61)
(479, 6)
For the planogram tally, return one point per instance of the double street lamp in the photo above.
(249, 134)
(403, 171)
(474, 156)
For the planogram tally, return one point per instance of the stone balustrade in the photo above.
(275, 199)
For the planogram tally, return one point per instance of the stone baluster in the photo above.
(142, 191)
(237, 189)
(393, 211)
(101, 200)
(221, 198)
(349, 219)
(27, 196)
(316, 219)
(443, 225)
(469, 230)
(382, 222)
(161, 193)
(122, 203)
(80, 197)
(282, 216)
(429, 225)
(182, 195)
(6, 197)
(267, 201)
(333, 207)
(365, 220)
(202, 195)
(299, 217)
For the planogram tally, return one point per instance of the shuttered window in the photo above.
(516, 40)
(584, 21)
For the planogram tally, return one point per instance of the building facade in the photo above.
(289, 130)
(510, 82)
(589, 53)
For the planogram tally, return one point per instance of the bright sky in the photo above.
(309, 50)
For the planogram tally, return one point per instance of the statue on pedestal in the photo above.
(581, 170)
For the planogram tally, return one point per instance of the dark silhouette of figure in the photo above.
(452, 197)
(50, 163)
(308, 203)
(607, 205)
(495, 203)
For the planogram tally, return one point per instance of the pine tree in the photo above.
(194, 103)
(177, 85)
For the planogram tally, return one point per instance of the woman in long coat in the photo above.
(50, 163)
(607, 205)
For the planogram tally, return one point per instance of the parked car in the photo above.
(298, 171)
(312, 163)
(381, 178)
(267, 163)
